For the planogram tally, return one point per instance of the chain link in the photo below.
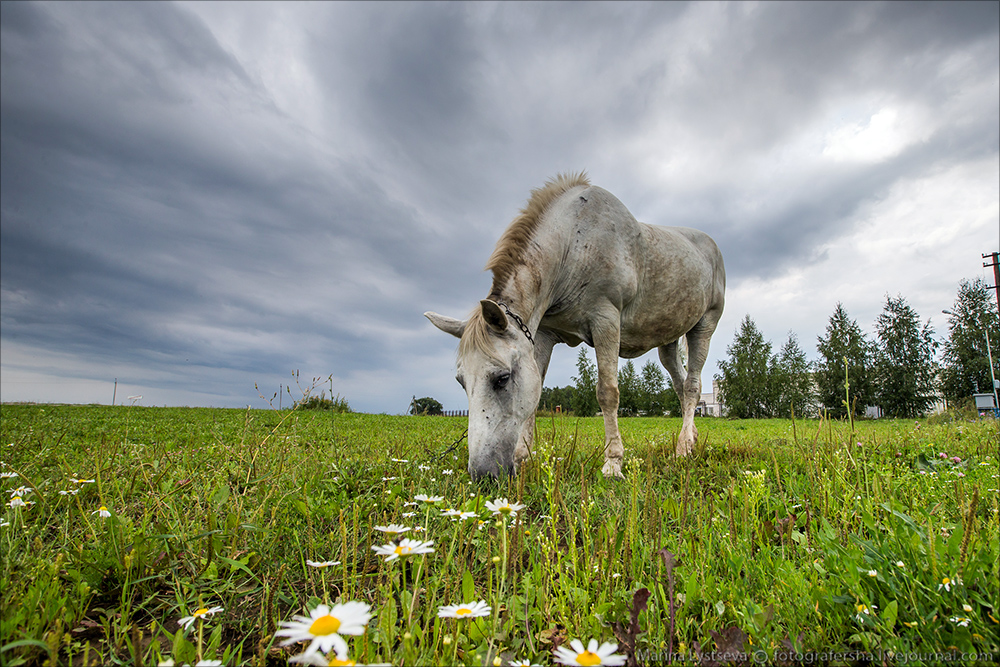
(519, 321)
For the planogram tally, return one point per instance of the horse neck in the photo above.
(529, 291)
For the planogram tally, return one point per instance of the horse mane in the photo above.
(509, 253)
(510, 248)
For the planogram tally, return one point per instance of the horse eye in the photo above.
(501, 381)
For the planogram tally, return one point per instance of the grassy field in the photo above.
(809, 542)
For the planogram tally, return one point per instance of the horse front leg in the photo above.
(606, 345)
(544, 342)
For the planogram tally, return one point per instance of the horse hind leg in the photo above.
(697, 341)
(670, 357)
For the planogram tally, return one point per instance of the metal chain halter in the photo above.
(518, 320)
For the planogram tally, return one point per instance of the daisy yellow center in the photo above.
(946, 581)
(201, 612)
(588, 658)
(463, 612)
(403, 551)
(338, 661)
(324, 625)
(504, 510)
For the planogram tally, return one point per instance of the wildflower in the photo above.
(405, 548)
(522, 663)
(900, 563)
(967, 608)
(466, 515)
(956, 459)
(321, 660)
(946, 584)
(389, 479)
(430, 500)
(324, 625)
(942, 455)
(326, 563)
(188, 621)
(449, 471)
(18, 501)
(911, 624)
(392, 529)
(81, 481)
(20, 491)
(864, 612)
(407, 515)
(71, 492)
(4, 523)
(872, 573)
(470, 610)
(963, 621)
(400, 460)
(592, 655)
(450, 512)
(423, 467)
(102, 512)
(7, 475)
(502, 506)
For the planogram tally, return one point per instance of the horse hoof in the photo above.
(684, 448)
(613, 470)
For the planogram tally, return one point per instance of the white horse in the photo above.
(576, 267)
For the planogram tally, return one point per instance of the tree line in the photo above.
(646, 392)
(895, 369)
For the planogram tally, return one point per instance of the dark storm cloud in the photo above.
(171, 204)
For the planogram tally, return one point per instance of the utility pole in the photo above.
(996, 274)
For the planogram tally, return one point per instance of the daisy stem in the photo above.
(451, 549)
(201, 630)
(416, 590)
(454, 643)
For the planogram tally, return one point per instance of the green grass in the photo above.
(775, 537)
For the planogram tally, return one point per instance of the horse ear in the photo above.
(494, 316)
(447, 324)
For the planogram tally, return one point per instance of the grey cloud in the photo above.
(161, 208)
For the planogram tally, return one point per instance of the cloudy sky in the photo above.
(200, 198)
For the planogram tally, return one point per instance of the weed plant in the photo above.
(778, 541)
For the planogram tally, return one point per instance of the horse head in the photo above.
(497, 369)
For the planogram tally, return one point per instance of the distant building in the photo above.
(709, 405)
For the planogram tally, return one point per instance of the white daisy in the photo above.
(502, 506)
(392, 529)
(322, 564)
(18, 501)
(188, 621)
(470, 610)
(406, 547)
(430, 500)
(324, 625)
(591, 656)
(102, 512)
